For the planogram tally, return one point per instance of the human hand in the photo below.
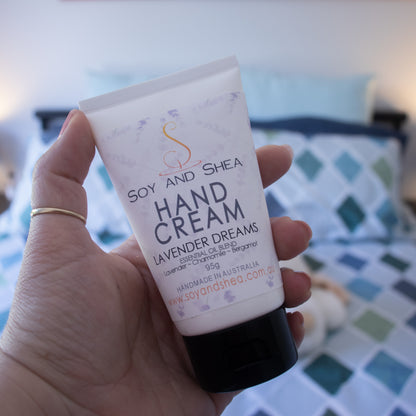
(88, 333)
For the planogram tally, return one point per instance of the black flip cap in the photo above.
(243, 355)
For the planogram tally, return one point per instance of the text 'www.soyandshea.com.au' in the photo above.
(218, 284)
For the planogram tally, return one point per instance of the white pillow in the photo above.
(273, 96)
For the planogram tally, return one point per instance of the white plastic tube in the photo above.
(180, 155)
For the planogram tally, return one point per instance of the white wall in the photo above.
(47, 45)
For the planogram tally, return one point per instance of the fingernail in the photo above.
(66, 122)
(289, 149)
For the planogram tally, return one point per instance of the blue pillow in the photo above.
(272, 95)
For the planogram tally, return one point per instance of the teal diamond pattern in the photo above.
(25, 217)
(387, 215)
(312, 262)
(383, 170)
(399, 264)
(348, 166)
(328, 372)
(105, 177)
(389, 371)
(107, 237)
(351, 213)
(309, 164)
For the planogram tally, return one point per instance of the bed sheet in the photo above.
(368, 366)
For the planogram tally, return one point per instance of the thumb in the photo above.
(60, 172)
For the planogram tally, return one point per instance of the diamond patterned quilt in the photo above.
(367, 367)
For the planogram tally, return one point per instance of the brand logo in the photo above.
(177, 160)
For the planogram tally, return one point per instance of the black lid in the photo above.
(243, 355)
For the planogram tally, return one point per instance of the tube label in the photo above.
(188, 178)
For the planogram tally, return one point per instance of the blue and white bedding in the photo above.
(367, 367)
(346, 185)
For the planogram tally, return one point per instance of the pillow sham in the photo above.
(272, 95)
(314, 125)
(345, 188)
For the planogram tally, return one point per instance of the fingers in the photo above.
(290, 237)
(295, 321)
(274, 161)
(297, 287)
(60, 172)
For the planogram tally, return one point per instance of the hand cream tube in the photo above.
(180, 154)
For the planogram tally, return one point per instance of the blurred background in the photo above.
(339, 60)
(48, 47)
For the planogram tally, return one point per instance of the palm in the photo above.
(126, 344)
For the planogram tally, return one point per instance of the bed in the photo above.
(344, 181)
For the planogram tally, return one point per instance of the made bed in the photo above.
(345, 182)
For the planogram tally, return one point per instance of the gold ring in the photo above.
(38, 211)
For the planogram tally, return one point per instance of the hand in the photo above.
(88, 333)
